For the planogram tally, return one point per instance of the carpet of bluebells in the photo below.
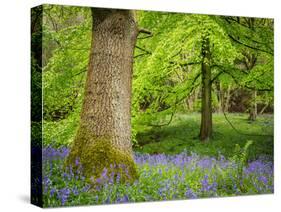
(161, 177)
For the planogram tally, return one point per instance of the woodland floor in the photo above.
(182, 135)
(177, 166)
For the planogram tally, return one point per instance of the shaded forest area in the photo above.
(202, 87)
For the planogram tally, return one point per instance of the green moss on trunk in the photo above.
(96, 154)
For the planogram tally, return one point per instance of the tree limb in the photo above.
(139, 55)
(144, 50)
(185, 64)
(223, 70)
(166, 124)
(145, 31)
(251, 47)
(215, 77)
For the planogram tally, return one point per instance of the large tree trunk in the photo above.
(206, 107)
(103, 140)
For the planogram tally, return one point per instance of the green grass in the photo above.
(182, 134)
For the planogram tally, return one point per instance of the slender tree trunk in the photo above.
(227, 100)
(219, 94)
(190, 101)
(206, 108)
(103, 139)
(254, 108)
(250, 62)
(264, 108)
(222, 100)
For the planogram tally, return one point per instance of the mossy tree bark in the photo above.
(206, 105)
(103, 139)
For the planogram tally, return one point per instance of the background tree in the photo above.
(254, 39)
(195, 47)
(206, 108)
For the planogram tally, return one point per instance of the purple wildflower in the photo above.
(77, 162)
(75, 191)
(104, 173)
(63, 195)
(107, 201)
(190, 194)
(86, 188)
(52, 192)
(263, 179)
(125, 199)
(98, 180)
(205, 184)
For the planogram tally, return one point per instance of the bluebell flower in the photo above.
(86, 188)
(263, 179)
(205, 184)
(52, 192)
(98, 180)
(104, 173)
(77, 162)
(63, 195)
(75, 191)
(107, 201)
(125, 198)
(190, 194)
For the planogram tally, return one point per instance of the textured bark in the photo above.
(104, 136)
(206, 107)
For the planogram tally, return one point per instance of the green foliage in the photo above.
(170, 74)
(62, 132)
(67, 38)
(36, 91)
(240, 158)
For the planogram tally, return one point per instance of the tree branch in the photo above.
(145, 31)
(142, 54)
(223, 70)
(251, 47)
(215, 77)
(139, 55)
(185, 64)
(84, 69)
(166, 124)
